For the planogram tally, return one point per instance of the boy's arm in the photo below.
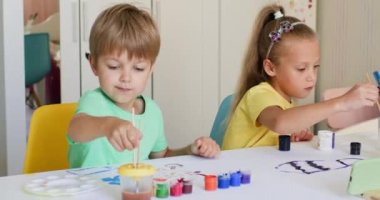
(203, 146)
(171, 152)
(301, 117)
(120, 133)
(84, 128)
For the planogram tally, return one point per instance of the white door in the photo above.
(69, 50)
(185, 80)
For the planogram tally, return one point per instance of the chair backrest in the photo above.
(37, 57)
(47, 144)
(220, 123)
(344, 119)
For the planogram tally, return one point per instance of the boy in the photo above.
(124, 43)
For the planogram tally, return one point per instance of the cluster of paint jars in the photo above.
(224, 181)
(138, 184)
(164, 187)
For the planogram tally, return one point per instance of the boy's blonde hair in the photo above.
(124, 27)
(252, 72)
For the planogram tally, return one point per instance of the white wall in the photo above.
(12, 91)
(350, 41)
(349, 31)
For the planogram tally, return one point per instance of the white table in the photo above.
(267, 182)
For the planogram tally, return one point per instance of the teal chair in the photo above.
(37, 62)
(220, 123)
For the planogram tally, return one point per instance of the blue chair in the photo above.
(37, 62)
(220, 123)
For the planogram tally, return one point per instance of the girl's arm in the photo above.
(120, 133)
(302, 117)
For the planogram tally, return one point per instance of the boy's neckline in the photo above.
(140, 100)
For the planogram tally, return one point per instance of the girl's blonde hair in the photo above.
(252, 72)
(125, 27)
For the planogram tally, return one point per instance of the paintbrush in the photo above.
(377, 101)
(134, 150)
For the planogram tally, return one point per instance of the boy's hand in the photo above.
(304, 135)
(123, 135)
(205, 147)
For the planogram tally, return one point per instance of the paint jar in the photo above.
(161, 188)
(284, 142)
(211, 182)
(235, 179)
(245, 176)
(136, 181)
(176, 188)
(355, 148)
(187, 186)
(224, 181)
(326, 140)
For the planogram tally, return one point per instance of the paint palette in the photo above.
(61, 185)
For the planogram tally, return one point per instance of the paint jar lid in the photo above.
(140, 170)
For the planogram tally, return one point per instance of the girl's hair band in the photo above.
(275, 36)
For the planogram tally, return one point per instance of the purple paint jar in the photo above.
(187, 187)
(245, 177)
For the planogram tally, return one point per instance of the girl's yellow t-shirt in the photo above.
(243, 130)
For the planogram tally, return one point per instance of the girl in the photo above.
(281, 63)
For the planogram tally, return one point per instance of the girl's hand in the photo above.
(123, 135)
(304, 135)
(205, 147)
(358, 96)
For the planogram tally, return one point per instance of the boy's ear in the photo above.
(269, 68)
(92, 64)
(152, 67)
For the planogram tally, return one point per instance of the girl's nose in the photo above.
(311, 76)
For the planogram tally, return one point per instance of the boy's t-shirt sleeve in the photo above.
(161, 142)
(92, 103)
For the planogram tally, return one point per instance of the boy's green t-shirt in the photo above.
(100, 152)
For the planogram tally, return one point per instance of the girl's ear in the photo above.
(269, 68)
(92, 64)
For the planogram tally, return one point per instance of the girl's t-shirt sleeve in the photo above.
(257, 101)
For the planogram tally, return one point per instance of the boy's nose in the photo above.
(125, 76)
